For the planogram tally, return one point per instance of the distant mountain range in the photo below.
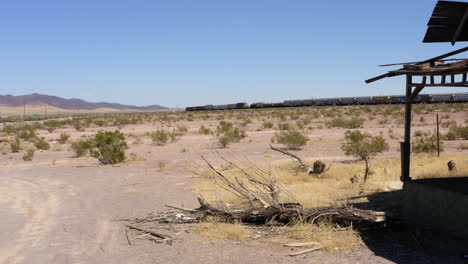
(68, 104)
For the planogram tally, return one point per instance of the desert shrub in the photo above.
(27, 134)
(346, 123)
(15, 145)
(364, 147)
(174, 135)
(77, 125)
(63, 138)
(292, 139)
(204, 130)
(29, 155)
(81, 147)
(41, 143)
(227, 133)
(418, 133)
(427, 143)
(267, 125)
(448, 123)
(284, 126)
(160, 137)
(456, 132)
(182, 129)
(109, 147)
(99, 123)
(463, 147)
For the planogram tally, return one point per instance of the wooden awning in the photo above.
(433, 68)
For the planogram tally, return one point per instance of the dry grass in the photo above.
(331, 238)
(334, 187)
(215, 230)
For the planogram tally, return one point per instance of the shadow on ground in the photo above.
(402, 243)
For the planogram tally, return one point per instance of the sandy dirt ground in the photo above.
(60, 209)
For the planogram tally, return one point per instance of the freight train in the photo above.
(364, 100)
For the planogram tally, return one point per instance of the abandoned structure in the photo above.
(437, 203)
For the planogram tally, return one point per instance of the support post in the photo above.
(406, 145)
(438, 137)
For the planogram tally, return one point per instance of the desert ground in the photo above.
(56, 207)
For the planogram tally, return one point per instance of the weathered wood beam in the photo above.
(458, 84)
(443, 56)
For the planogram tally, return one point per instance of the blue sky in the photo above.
(178, 53)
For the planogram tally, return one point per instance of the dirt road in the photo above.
(64, 215)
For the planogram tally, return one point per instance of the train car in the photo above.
(347, 101)
(363, 100)
(333, 101)
(380, 99)
(220, 107)
(231, 106)
(423, 99)
(242, 105)
(190, 108)
(461, 98)
(294, 103)
(199, 108)
(277, 105)
(320, 102)
(442, 98)
(397, 99)
(257, 105)
(309, 102)
(208, 107)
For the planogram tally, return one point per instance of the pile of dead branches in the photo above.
(264, 202)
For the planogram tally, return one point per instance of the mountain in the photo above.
(68, 104)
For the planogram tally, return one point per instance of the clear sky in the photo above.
(177, 53)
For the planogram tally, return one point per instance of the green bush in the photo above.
(41, 143)
(81, 147)
(15, 145)
(364, 147)
(204, 130)
(427, 143)
(346, 123)
(293, 139)
(267, 125)
(160, 137)
(456, 132)
(63, 138)
(27, 134)
(29, 155)
(227, 133)
(284, 126)
(109, 147)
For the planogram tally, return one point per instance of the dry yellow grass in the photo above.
(334, 186)
(215, 230)
(331, 238)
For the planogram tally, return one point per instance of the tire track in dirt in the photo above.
(30, 203)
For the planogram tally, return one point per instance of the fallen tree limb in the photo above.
(154, 233)
(304, 244)
(305, 251)
(181, 208)
(318, 168)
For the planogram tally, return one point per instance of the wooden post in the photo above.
(406, 145)
(438, 137)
